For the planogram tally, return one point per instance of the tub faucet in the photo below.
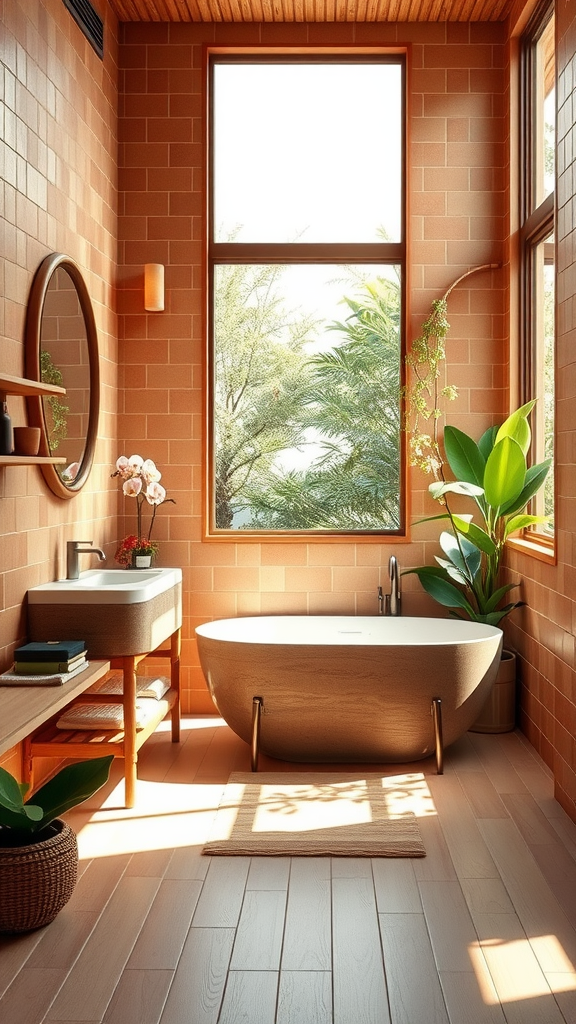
(73, 549)
(391, 604)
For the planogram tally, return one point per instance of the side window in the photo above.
(306, 270)
(537, 241)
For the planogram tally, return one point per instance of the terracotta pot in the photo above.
(37, 880)
(26, 440)
(499, 711)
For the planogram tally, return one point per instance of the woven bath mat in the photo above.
(311, 814)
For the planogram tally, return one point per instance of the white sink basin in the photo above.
(107, 586)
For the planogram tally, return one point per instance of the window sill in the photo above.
(543, 551)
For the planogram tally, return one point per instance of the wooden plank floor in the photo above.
(480, 931)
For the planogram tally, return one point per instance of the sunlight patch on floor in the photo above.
(298, 807)
(166, 815)
(188, 724)
(515, 969)
(408, 793)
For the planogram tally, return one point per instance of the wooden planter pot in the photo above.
(499, 711)
(37, 880)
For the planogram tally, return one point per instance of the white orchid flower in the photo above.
(135, 463)
(155, 493)
(150, 473)
(132, 486)
(123, 467)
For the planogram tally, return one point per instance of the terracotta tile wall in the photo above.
(544, 632)
(458, 147)
(58, 188)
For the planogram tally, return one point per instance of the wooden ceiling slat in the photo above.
(190, 11)
(311, 10)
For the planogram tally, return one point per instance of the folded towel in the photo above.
(146, 686)
(105, 716)
(50, 679)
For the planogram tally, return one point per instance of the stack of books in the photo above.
(49, 658)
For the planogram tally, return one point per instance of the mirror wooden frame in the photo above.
(33, 332)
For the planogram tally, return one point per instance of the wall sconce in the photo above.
(154, 287)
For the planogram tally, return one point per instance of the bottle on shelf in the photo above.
(6, 434)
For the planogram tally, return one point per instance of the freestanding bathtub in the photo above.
(349, 688)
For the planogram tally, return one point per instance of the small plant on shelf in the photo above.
(131, 547)
(140, 480)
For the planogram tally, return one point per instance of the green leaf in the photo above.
(452, 571)
(494, 618)
(505, 473)
(521, 522)
(14, 813)
(72, 785)
(10, 792)
(439, 488)
(435, 583)
(470, 563)
(487, 441)
(517, 426)
(497, 596)
(476, 534)
(464, 457)
(432, 519)
(535, 477)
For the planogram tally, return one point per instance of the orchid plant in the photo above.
(140, 480)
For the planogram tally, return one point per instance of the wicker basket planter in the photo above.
(37, 880)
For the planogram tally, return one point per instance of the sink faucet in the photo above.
(73, 549)
(391, 604)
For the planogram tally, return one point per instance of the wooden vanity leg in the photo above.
(130, 754)
(27, 763)
(175, 644)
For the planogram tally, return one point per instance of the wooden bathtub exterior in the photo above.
(349, 688)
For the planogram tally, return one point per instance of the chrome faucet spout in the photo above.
(395, 597)
(73, 550)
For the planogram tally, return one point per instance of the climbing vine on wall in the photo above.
(427, 390)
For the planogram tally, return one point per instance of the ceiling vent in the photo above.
(89, 21)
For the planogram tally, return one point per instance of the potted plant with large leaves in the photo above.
(494, 474)
(38, 850)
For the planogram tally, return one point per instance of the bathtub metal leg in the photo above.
(257, 705)
(436, 712)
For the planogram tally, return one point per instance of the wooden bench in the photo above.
(24, 708)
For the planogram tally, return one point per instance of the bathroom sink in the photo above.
(107, 586)
(117, 612)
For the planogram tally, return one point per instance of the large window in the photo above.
(306, 262)
(538, 249)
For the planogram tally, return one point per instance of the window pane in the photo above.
(306, 381)
(544, 371)
(545, 113)
(307, 152)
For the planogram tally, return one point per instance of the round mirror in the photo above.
(62, 349)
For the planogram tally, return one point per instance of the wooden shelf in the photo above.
(24, 708)
(20, 386)
(30, 460)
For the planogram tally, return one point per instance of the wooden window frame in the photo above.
(385, 253)
(537, 222)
